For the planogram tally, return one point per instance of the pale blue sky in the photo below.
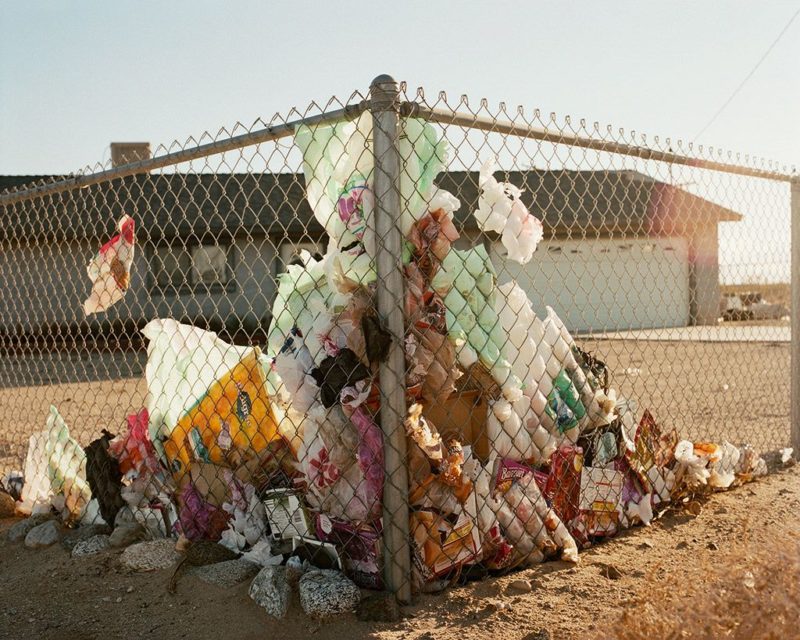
(76, 75)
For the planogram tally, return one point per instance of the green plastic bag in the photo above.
(564, 404)
(339, 157)
(466, 282)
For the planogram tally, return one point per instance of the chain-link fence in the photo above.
(333, 335)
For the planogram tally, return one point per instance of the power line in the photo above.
(748, 76)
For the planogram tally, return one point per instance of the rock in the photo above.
(379, 607)
(91, 546)
(610, 571)
(152, 555)
(7, 505)
(694, 507)
(494, 607)
(205, 552)
(126, 534)
(43, 535)
(520, 586)
(295, 568)
(712, 546)
(646, 543)
(270, 589)
(226, 574)
(23, 527)
(541, 634)
(682, 545)
(83, 533)
(326, 592)
(473, 573)
(151, 518)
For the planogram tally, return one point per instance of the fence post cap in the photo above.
(384, 93)
(383, 79)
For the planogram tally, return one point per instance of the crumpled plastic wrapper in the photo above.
(530, 512)
(110, 269)
(231, 423)
(248, 519)
(692, 463)
(294, 363)
(723, 467)
(182, 364)
(134, 451)
(425, 447)
(432, 363)
(497, 551)
(302, 304)
(702, 464)
(199, 519)
(338, 459)
(433, 235)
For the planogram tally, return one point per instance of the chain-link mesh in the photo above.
(332, 336)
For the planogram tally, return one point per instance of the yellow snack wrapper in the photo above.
(232, 422)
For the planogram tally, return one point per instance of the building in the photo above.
(621, 249)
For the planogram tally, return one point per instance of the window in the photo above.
(180, 267)
(210, 264)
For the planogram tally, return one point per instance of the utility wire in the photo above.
(748, 76)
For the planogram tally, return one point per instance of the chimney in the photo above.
(125, 152)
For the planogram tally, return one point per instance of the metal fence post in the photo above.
(390, 298)
(795, 354)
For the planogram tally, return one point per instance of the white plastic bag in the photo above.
(722, 469)
(501, 210)
(36, 492)
(55, 472)
(691, 469)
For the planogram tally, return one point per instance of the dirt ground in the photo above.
(705, 390)
(681, 560)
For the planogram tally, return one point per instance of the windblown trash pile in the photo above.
(519, 450)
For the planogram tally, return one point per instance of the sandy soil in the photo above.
(46, 595)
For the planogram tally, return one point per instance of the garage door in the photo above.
(604, 285)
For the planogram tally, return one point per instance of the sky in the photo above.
(76, 75)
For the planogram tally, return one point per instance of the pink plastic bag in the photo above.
(198, 519)
(135, 451)
(370, 454)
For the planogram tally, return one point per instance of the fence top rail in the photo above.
(449, 116)
(267, 134)
(408, 108)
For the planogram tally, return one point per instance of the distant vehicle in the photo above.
(750, 306)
